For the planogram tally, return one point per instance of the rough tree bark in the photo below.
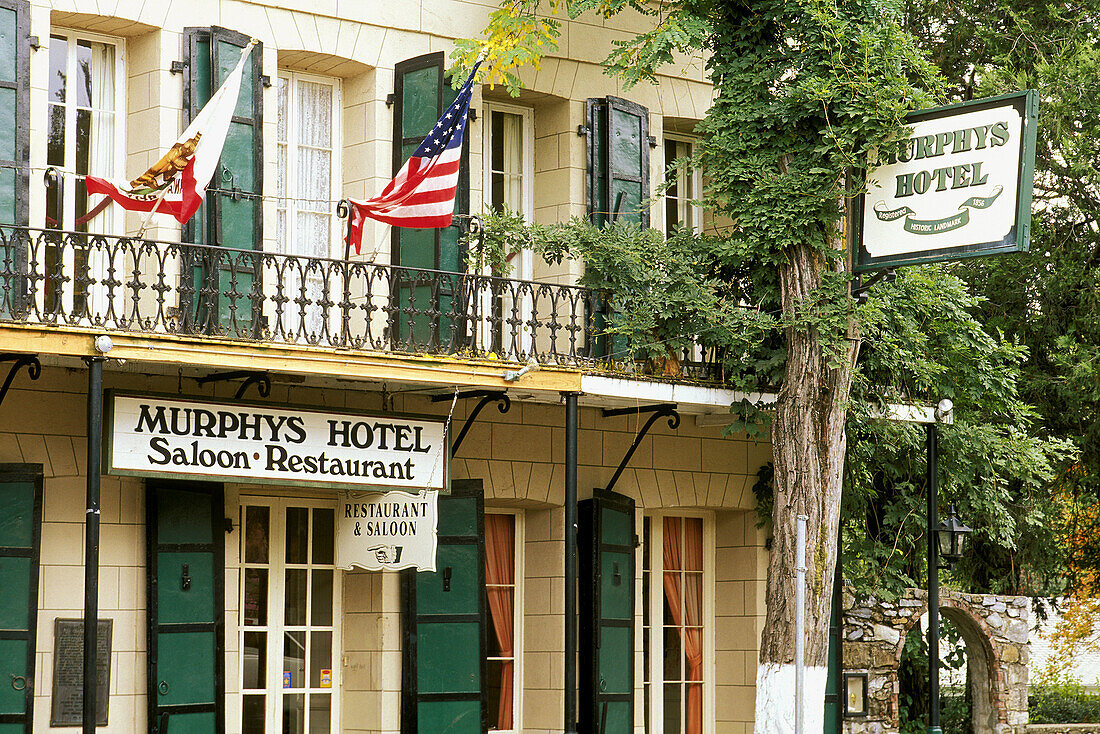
(808, 447)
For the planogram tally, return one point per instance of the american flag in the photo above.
(422, 194)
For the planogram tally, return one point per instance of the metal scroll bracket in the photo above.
(30, 361)
(487, 396)
(661, 410)
(261, 379)
(860, 286)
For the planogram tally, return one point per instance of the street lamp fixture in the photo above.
(952, 535)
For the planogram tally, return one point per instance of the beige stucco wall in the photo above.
(519, 456)
(359, 43)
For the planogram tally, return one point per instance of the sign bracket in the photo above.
(487, 396)
(261, 379)
(660, 410)
(30, 361)
(860, 287)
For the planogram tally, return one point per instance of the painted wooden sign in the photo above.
(959, 185)
(388, 531)
(174, 437)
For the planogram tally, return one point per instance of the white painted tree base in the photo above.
(775, 697)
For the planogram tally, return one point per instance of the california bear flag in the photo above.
(176, 184)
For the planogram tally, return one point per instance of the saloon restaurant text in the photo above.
(152, 435)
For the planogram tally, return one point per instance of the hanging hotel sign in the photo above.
(958, 186)
(167, 436)
(387, 532)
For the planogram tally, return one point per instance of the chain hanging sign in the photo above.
(242, 442)
(387, 532)
(959, 185)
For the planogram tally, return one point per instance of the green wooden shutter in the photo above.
(618, 183)
(618, 161)
(443, 669)
(232, 214)
(606, 543)
(185, 601)
(20, 527)
(14, 150)
(421, 93)
(14, 106)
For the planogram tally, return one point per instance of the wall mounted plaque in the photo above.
(67, 701)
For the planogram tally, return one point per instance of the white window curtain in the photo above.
(506, 164)
(306, 221)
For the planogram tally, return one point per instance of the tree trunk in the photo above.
(808, 447)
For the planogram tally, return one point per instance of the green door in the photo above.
(224, 282)
(20, 520)
(443, 670)
(14, 150)
(426, 304)
(605, 538)
(186, 587)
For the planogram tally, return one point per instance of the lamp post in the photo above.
(947, 539)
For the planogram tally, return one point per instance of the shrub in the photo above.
(1063, 702)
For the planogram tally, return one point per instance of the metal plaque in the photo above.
(67, 701)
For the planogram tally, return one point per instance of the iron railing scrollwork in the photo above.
(145, 286)
(139, 285)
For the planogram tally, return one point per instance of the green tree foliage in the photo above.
(924, 341)
(806, 90)
(1048, 299)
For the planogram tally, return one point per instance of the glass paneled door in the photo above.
(309, 151)
(289, 605)
(83, 138)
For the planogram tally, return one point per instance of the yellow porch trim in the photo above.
(214, 353)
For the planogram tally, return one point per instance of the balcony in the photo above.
(144, 287)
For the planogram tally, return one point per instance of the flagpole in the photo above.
(156, 205)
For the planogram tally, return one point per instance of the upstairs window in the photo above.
(84, 136)
(508, 140)
(682, 186)
(509, 170)
(309, 162)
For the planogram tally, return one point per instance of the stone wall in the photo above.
(994, 628)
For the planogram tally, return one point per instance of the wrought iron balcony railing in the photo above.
(146, 286)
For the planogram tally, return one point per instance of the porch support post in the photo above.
(91, 539)
(933, 585)
(570, 683)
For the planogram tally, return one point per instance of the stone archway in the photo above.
(994, 630)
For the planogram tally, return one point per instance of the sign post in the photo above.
(959, 185)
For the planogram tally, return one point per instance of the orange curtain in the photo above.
(500, 546)
(687, 609)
